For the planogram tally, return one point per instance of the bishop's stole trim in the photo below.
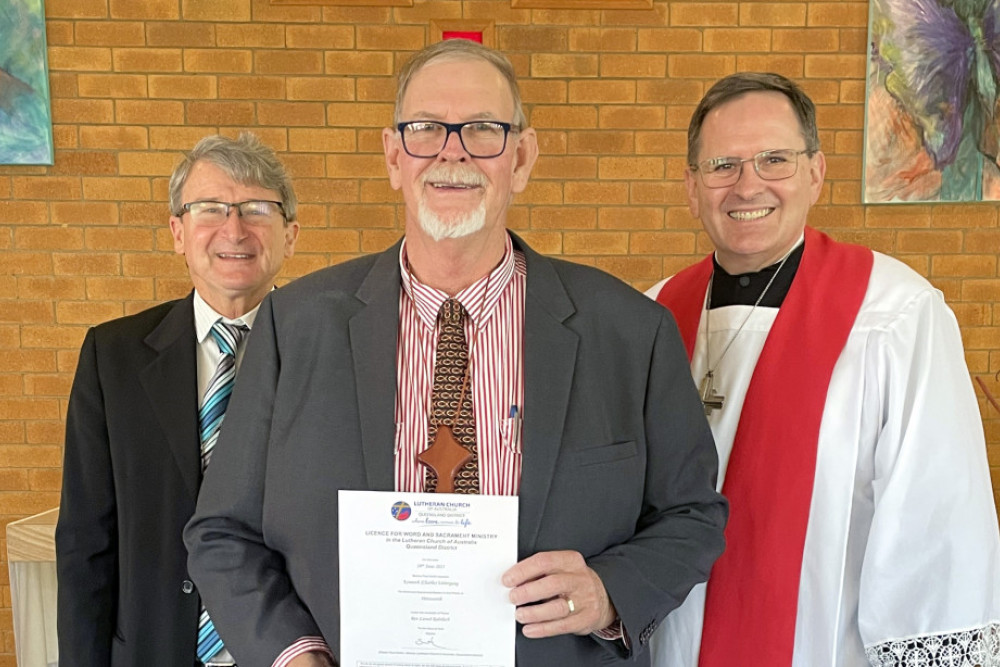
(752, 594)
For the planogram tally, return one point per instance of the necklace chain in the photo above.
(708, 311)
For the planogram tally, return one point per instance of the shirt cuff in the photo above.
(613, 633)
(303, 645)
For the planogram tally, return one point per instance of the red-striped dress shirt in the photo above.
(494, 330)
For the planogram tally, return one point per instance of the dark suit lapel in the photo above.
(171, 384)
(549, 361)
(374, 330)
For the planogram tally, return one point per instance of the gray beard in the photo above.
(455, 228)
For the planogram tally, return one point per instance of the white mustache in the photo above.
(456, 175)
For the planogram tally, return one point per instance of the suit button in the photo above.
(187, 587)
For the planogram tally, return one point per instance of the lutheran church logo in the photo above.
(401, 511)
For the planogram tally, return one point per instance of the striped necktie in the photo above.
(210, 416)
(451, 398)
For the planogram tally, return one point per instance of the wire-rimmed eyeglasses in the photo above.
(252, 211)
(480, 138)
(773, 165)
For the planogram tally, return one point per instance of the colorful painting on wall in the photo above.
(931, 114)
(25, 117)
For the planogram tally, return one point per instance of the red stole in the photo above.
(753, 591)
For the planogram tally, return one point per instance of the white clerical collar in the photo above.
(205, 317)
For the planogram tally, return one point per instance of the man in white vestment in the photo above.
(862, 528)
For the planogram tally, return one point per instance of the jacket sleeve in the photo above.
(87, 530)
(242, 580)
(679, 534)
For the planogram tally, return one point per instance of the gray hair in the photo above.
(246, 160)
(741, 83)
(452, 50)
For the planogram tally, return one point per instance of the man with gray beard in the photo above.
(575, 398)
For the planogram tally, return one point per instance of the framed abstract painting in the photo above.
(931, 104)
(25, 115)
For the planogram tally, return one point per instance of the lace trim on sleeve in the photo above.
(970, 648)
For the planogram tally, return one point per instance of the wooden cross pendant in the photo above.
(709, 398)
(445, 457)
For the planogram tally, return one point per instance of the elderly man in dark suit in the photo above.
(149, 395)
(575, 397)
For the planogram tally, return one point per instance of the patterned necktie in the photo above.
(448, 404)
(213, 410)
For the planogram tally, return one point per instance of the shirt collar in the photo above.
(205, 317)
(479, 305)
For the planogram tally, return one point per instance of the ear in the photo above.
(525, 154)
(177, 231)
(817, 173)
(691, 183)
(393, 151)
(291, 234)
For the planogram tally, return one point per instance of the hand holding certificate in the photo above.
(420, 579)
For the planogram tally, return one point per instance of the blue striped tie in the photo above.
(210, 416)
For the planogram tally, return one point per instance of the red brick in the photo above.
(116, 137)
(109, 33)
(148, 9)
(160, 112)
(601, 91)
(42, 187)
(321, 140)
(255, 35)
(87, 312)
(148, 60)
(215, 10)
(704, 13)
(252, 87)
(563, 217)
(220, 113)
(79, 58)
(24, 212)
(291, 114)
(179, 34)
(119, 288)
(572, 117)
(116, 189)
(82, 111)
(632, 217)
(76, 9)
(358, 63)
(91, 163)
(45, 288)
(631, 117)
(670, 40)
(179, 86)
(236, 61)
(562, 65)
(288, 62)
(595, 193)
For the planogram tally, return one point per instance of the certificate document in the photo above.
(420, 579)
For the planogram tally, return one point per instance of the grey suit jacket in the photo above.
(618, 461)
(130, 481)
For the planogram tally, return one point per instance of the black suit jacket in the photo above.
(618, 461)
(130, 482)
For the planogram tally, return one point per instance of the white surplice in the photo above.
(902, 553)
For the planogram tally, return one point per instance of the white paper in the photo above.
(420, 579)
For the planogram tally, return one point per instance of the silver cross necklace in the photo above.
(711, 400)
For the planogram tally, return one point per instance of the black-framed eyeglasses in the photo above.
(773, 165)
(480, 138)
(252, 211)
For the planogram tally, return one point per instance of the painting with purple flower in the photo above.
(931, 114)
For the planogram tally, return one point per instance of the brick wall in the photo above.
(134, 82)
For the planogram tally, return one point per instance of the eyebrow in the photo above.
(427, 115)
